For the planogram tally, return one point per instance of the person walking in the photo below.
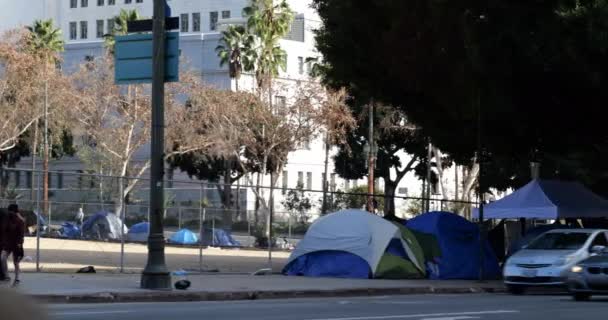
(12, 244)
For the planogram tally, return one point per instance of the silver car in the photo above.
(590, 276)
(548, 259)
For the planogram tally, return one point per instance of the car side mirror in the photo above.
(598, 249)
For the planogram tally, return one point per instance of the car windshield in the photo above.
(559, 241)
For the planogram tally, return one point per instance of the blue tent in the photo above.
(219, 238)
(548, 199)
(459, 243)
(139, 232)
(70, 230)
(184, 236)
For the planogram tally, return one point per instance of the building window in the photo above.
(309, 66)
(213, 16)
(73, 3)
(60, 180)
(100, 3)
(300, 179)
(196, 22)
(50, 180)
(226, 14)
(84, 29)
(110, 26)
(184, 22)
(111, 2)
(128, 1)
(139, 1)
(285, 181)
(73, 31)
(84, 3)
(300, 65)
(309, 180)
(99, 28)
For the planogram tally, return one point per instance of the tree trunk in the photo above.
(389, 199)
(227, 212)
(256, 213)
(440, 173)
(325, 184)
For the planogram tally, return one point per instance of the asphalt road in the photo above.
(420, 307)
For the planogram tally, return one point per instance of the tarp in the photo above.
(219, 238)
(70, 230)
(103, 225)
(332, 242)
(139, 232)
(184, 236)
(548, 199)
(459, 243)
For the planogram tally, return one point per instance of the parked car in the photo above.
(548, 259)
(590, 276)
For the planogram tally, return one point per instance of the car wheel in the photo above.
(582, 297)
(516, 289)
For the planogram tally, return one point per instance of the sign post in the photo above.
(156, 275)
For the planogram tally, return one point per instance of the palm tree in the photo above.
(235, 50)
(46, 41)
(121, 28)
(269, 22)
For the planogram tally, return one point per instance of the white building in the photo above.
(85, 22)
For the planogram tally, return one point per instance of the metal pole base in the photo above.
(156, 281)
(156, 276)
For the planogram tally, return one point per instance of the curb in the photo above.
(185, 296)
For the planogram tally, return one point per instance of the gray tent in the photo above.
(103, 226)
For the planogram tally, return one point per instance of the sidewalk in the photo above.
(81, 288)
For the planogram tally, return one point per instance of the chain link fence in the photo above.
(217, 216)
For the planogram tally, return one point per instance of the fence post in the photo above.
(121, 185)
(37, 222)
(200, 230)
(179, 217)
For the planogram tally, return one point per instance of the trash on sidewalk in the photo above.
(182, 284)
(89, 269)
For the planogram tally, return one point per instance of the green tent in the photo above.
(392, 266)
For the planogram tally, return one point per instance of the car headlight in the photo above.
(577, 269)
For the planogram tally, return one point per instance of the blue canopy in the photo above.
(548, 199)
(459, 243)
(184, 236)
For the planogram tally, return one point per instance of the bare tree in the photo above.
(116, 122)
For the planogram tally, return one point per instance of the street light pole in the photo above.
(156, 275)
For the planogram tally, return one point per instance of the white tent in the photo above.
(354, 231)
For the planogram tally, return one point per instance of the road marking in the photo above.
(424, 315)
(85, 313)
(401, 302)
(451, 318)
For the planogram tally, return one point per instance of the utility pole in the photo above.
(156, 275)
(371, 156)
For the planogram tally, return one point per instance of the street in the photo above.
(417, 307)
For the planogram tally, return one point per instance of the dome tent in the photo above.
(356, 244)
(184, 236)
(139, 232)
(459, 243)
(103, 226)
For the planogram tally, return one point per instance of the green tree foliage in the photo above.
(298, 204)
(536, 70)
(235, 51)
(120, 27)
(394, 135)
